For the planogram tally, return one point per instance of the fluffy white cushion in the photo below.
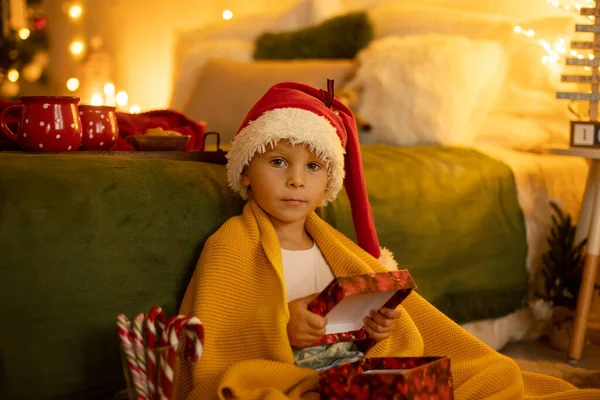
(428, 89)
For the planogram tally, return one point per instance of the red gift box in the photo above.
(396, 378)
(346, 301)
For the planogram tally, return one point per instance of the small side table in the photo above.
(588, 224)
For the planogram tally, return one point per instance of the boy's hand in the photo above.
(379, 325)
(304, 327)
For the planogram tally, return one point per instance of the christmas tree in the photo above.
(24, 45)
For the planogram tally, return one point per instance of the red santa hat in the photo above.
(302, 114)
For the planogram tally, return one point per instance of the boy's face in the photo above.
(288, 182)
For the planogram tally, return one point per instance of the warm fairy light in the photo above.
(568, 7)
(109, 89)
(76, 47)
(227, 15)
(24, 33)
(73, 84)
(13, 75)
(122, 99)
(97, 99)
(75, 11)
(134, 109)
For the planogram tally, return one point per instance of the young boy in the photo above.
(295, 149)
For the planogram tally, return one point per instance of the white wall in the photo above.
(139, 34)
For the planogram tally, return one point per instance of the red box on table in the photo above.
(393, 378)
(347, 300)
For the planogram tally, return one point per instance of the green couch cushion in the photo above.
(339, 37)
(84, 238)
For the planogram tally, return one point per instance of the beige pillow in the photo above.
(227, 89)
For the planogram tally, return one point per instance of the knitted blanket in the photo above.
(238, 292)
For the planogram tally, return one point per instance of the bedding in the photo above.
(523, 115)
(415, 90)
(539, 178)
(450, 215)
(339, 37)
(227, 89)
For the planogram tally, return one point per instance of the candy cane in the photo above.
(167, 362)
(138, 346)
(156, 316)
(195, 335)
(124, 330)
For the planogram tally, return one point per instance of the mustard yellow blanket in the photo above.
(238, 292)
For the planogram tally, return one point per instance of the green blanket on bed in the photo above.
(451, 217)
(83, 238)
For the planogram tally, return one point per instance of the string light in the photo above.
(13, 75)
(109, 89)
(73, 84)
(24, 33)
(76, 47)
(122, 99)
(75, 11)
(568, 7)
(96, 99)
(558, 49)
(227, 15)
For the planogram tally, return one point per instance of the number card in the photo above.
(585, 134)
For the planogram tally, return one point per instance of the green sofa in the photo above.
(86, 237)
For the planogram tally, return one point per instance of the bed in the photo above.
(432, 75)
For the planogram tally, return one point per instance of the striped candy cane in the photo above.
(195, 336)
(156, 316)
(138, 346)
(124, 330)
(167, 362)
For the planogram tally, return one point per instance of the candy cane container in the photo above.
(151, 355)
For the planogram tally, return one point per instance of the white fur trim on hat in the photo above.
(297, 126)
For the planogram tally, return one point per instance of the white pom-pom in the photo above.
(387, 258)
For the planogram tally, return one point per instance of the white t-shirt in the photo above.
(305, 272)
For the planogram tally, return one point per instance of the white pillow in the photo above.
(234, 40)
(428, 89)
(186, 81)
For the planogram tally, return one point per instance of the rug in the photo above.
(582, 378)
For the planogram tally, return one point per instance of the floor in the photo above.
(541, 351)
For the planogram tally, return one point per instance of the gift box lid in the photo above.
(347, 300)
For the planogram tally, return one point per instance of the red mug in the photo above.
(47, 124)
(100, 128)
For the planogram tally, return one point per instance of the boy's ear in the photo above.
(245, 181)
